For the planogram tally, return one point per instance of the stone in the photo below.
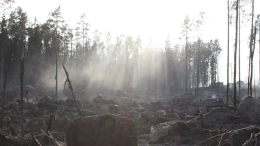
(160, 113)
(114, 108)
(133, 115)
(143, 118)
(46, 99)
(249, 109)
(99, 99)
(101, 130)
(159, 132)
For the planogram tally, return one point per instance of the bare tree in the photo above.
(251, 53)
(77, 35)
(185, 31)
(57, 19)
(84, 29)
(198, 27)
(228, 57)
(108, 41)
(235, 54)
(239, 84)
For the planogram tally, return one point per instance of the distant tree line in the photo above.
(102, 63)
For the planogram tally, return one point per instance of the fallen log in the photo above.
(67, 109)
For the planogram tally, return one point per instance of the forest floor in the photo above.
(159, 119)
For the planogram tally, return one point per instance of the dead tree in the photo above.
(70, 86)
(252, 58)
(198, 69)
(235, 56)
(251, 53)
(228, 57)
(3, 102)
(239, 84)
(21, 84)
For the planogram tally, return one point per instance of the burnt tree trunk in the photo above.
(239, 85)
(21, 85)
(235, 55)
(3, 102)
(228, 57)
(198, 68)
(251, 51)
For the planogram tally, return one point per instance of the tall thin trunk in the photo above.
(163, 75)
(83, 40)
(235, 55)
(137, 74)
(56, 69)
(259, 43)
(21, 85)
(239, 55)
(186, 78)
(2, 70)
(228, 58)
(109, 67)
(198, 67)
(254, 85)
(251, 49)
(71, 47)
(3, 101)
(252, 59)
(248, 81)
(76, 55)
(126, 73)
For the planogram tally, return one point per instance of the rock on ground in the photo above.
(102, 130)
(159, 132)
(249, 109)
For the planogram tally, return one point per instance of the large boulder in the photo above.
(159, 132)
(102, 130)
(249, 109)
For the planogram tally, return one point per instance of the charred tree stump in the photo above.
(13, 131)
(49, 123)
(201, 118)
